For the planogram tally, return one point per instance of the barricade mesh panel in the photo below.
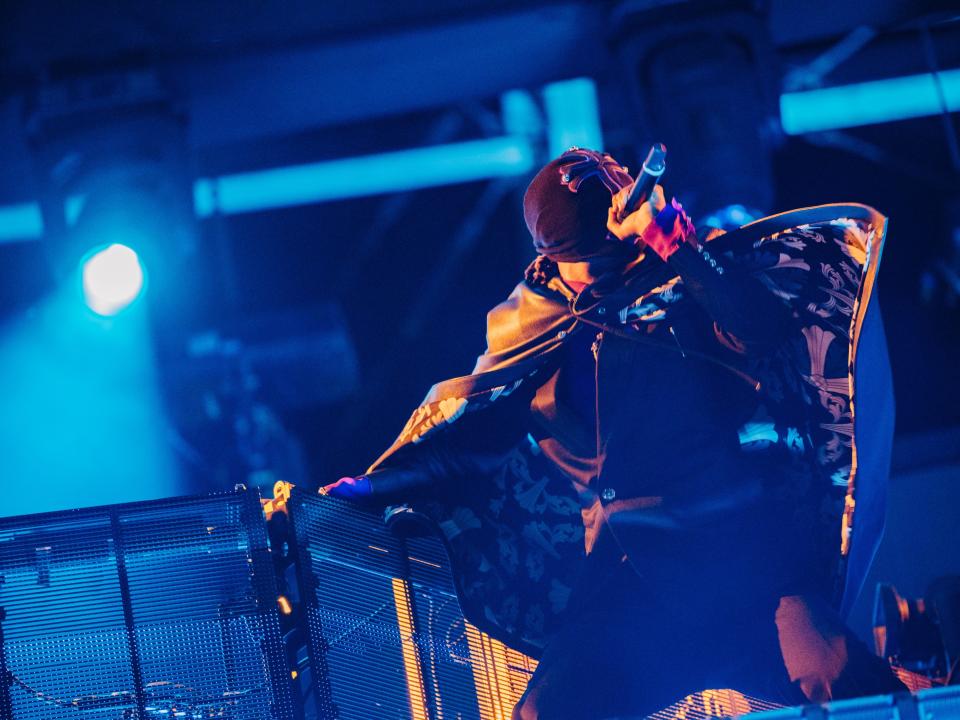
(149, 610)
(709, 704)
(386, 629)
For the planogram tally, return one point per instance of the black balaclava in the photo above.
(566, 205)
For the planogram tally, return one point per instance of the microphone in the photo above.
(653, 167)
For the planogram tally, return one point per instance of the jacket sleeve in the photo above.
(476, 444)
(738, 302)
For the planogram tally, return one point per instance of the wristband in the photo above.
(669, 228)
(349, 488)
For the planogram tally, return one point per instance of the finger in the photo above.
(643, 215)
(658, 198)
(620, 200)
(613, 222)
(622, 229)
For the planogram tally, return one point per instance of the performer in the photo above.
(649, 480)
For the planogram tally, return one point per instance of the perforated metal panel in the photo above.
(466, 667)
(150, 610)
(711, 704)
(387, 637)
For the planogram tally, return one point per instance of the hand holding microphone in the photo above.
(634, 207)
(643, 187)
(630, 228)
(639, 212)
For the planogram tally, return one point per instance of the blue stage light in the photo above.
(572, 118)
(292, 185)
(573, 115)
(390, 172)
(112, 279)
(20, 222)
(872, 102)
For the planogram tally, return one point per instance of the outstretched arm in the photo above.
(473, 446)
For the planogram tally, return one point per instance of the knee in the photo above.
(813, 645)
(523, 711)
(526, 708)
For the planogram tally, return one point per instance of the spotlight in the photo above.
(113, 164)
(112, 279)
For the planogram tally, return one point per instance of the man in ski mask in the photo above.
(649, 479)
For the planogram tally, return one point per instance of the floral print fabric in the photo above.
(516, 536)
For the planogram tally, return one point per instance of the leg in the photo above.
(623, 654)
(797, 651)
(824, 658)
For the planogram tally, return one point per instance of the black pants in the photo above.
(629, 652)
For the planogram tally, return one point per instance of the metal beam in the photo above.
(382, 173)
(377, 174)
(869, 103)
(573, 118)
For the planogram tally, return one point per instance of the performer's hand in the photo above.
(630, 228)
(662, 231)
(349, 488)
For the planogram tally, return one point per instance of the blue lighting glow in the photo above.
(520, 114)
(82, 421)
(292, 185)
(390, 172)
(868, 103)
(20, 222)
(112, 279)
(573, 115)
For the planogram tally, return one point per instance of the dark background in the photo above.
(397, 277)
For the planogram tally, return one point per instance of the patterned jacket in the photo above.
(512, 523)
